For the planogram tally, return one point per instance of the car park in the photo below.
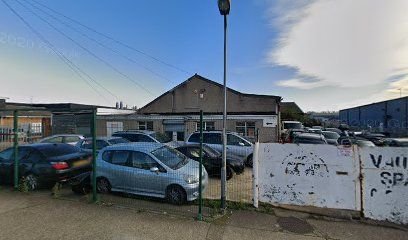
(237, 146)
(334, 130)
(331, 137)
(71, 139)
(290, 135)
(212, 160)
(149, 169)
(101, 142)
(41, 165)
(287, 125)
(309, 138)
(377, 138)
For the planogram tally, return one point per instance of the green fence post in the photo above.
(15, 145)
(200, 169)
(94, 193)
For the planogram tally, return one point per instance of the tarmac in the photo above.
(40, 216)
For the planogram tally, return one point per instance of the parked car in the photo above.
(334, 130)
(377, 138)
(212, 160)
(41, 165)
(331, 137)
(237, 146)
(314, 130)
(309, 138)
(290, 135)
(364, 143)
(396, 142)
(71, 139)
(150, 169)
(287, 125)
(142, 136)
(101, 142)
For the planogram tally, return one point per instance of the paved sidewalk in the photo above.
(38, 216)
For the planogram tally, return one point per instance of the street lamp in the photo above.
(224, 7)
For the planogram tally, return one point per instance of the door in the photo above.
(5, 164)
(142, 179)
(118, 170)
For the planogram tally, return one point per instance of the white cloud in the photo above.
(347, 43)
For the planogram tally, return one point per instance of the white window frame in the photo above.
(144, 125)
(245, 126)
(205, 126)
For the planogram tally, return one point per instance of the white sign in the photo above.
(271, 121)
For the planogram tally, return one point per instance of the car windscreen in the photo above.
(331, 135)
(118, 140)
(292, 126)
(170, 157)
(160, 137)
(55, 150)
(211, 151)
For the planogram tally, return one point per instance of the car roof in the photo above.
(40, 146)
(400, 139)
(329, 132)
(137, 146)
(309, 135)
(102, 138)
(291, 121)
(66, 135)
(215, 131)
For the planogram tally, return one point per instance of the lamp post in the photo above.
(224, 7)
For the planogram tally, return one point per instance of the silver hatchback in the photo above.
(150, 169)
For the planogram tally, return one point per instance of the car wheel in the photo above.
(176, 195)
(230, 173)
(80, 189)
(30, 181)
(103, 185)
(249, 161)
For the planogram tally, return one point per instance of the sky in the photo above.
(325, 55)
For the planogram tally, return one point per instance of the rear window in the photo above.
(54, 150)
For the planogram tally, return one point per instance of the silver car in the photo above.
(71, 139)
(237, 146)
(150, 169)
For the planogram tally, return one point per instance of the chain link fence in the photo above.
(144, 162)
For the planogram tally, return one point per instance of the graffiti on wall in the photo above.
(312, 175)
(385, 182)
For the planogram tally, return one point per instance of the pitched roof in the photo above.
(290, 106)
(278, 98)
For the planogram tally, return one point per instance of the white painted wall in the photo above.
(309, 175)
(385, 181)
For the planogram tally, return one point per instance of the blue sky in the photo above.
(275, 47)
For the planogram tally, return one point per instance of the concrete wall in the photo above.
(309, 175)
(385, 181)
(329, 177)
(186, 99)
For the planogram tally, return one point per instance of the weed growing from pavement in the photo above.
(23, 186)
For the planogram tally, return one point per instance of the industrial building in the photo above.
(388, 116)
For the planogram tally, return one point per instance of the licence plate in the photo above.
(80, 163)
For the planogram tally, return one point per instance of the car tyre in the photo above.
(80, 189)
(230, 173)
(249, 161)
(176, 195)
(103, 185)
(31, 182)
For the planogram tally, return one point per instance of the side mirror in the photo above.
(154, 169)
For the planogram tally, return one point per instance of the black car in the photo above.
(42, 165)
(212, 160)
(309, 138)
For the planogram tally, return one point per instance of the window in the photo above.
(71, 139)
(236, 141)
(212, 138)
(170, 157)
(120, 158)
(35, 156)
(53, 140)
(195, 138)
(146, 125)
(5, 156)
(107, 156)
(144, 138)
(143, 161)
(87, 144)
(207, 126)
(246, 129)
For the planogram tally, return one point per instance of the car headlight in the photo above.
(190, 179)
